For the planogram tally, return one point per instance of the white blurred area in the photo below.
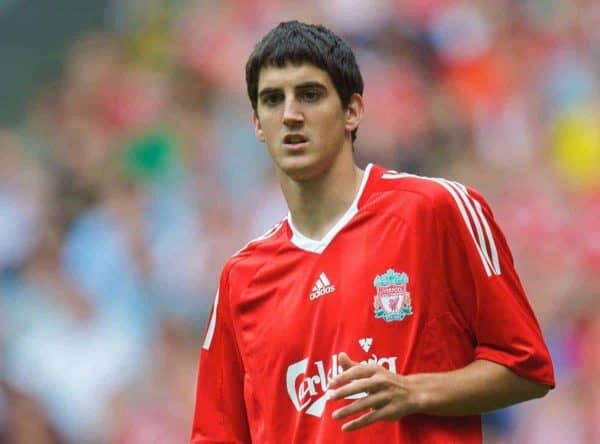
(136, 173)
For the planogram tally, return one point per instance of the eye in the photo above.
(311, 95)
(272, 99)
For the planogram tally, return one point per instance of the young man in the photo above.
(384, 308)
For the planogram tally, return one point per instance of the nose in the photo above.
(292, 113)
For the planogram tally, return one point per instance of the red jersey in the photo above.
(416, 277)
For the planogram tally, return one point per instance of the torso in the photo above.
(373, 289)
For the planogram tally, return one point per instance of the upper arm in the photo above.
(486, 288)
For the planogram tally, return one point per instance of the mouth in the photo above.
(295, 141)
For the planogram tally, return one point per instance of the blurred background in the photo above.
(129, 172)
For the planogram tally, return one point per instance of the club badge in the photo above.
(392, 301)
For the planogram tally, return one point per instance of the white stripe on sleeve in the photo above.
(488, 232)
(464, 195)
(211, 327)
(467, 222)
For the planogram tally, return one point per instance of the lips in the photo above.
(294, 139)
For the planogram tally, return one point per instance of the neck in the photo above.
(317, 204)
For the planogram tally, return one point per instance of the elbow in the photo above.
(539, 391)
(543, 391)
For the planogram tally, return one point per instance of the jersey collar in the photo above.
(318, 246)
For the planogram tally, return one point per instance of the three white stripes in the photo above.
(321, 282)
(466, 203)
(495, 263)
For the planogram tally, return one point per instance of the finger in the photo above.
(375, 401)
(369, 418)
(365, 385)
(345, 361)
(359, 371)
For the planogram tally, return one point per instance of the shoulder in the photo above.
(435, 196)
(255, 253)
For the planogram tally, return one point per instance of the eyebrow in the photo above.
(309, 84)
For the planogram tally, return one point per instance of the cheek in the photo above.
(271, 130)
(333, 127)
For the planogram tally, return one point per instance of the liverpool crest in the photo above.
(392, 301)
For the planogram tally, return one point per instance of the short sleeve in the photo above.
(220, 414)
(484, 284)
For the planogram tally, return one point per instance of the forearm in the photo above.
(480, 387)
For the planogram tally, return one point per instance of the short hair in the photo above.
(296, 42)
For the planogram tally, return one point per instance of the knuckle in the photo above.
(379, 380)
(388, 397)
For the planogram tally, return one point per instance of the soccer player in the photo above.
(384, 308)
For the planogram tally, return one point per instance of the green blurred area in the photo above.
(150, 156)
(34, 38)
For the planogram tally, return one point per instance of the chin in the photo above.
(300, 168)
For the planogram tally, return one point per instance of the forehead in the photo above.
(291, 75)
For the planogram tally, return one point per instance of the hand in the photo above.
(389, 396)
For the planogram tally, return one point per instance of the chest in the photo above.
(369, 293)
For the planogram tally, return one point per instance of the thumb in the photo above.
(345, 361)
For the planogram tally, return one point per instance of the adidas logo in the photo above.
(322, 287)
(365, 343)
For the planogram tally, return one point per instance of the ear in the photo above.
(260, 135)
(354, 112)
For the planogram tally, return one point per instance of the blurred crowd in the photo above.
(137, 173)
